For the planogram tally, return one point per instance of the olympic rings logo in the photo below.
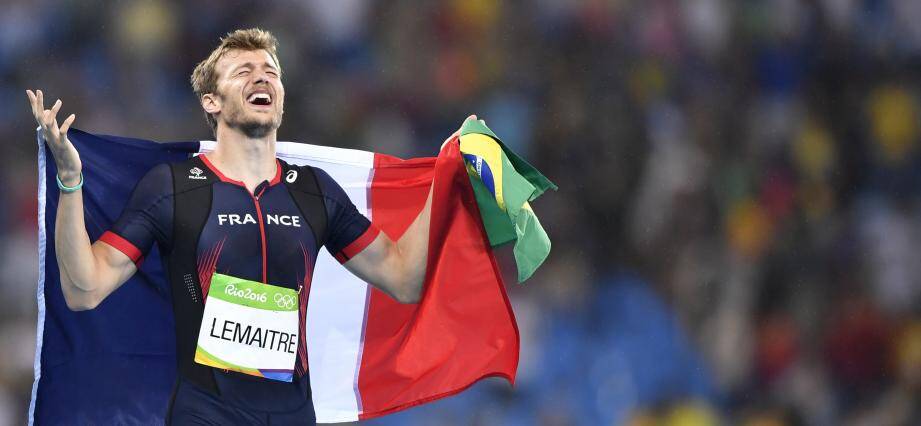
(286, 301)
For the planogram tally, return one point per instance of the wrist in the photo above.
(70, 178)
(68, 189)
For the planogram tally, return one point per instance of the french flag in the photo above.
(368, 355)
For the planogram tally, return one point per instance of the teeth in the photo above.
(255, 96)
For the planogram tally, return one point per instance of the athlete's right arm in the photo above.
(89, 272)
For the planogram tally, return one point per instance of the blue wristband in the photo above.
(69, 189)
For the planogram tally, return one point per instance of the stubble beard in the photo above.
(253, 126)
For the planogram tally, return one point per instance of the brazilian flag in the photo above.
(504, 184)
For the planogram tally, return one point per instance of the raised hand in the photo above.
(65, 155)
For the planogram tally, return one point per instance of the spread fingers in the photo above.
(65, 126)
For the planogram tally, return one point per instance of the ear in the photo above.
(211, 103)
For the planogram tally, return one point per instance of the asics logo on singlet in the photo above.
(291, 176)
(196, 173)
(284, 300)
(270, 219)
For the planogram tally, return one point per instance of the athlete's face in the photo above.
(250, 96)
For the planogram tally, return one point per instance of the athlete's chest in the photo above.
(260, 236)
(235, 210)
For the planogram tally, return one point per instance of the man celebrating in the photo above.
(239, 232)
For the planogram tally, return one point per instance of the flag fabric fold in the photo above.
(368, 355)
(504, 185)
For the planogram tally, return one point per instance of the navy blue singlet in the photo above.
(259, 236)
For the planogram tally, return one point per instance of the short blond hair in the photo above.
(204, 77)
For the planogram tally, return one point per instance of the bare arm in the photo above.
(398, 268)
(89, 272)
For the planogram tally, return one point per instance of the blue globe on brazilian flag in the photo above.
(504, 185)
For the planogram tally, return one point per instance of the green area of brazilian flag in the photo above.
(504, 185)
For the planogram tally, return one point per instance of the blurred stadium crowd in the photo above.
(740, 180)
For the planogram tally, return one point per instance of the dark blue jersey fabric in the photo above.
(259, 236)
(193, 406)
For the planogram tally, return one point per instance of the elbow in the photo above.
(411, 294)
(80, 302)
(80, 305)
(411, 298)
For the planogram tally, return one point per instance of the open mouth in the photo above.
(260, 99)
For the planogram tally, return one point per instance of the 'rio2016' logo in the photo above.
(245, 293)
(284, 300)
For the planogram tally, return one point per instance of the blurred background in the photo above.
(740, 181)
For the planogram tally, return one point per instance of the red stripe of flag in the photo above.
(464, 328)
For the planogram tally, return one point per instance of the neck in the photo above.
(240, 157)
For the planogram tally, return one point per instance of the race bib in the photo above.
(249, 327)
